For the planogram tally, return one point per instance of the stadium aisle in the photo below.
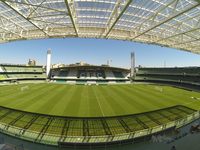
(188, 142)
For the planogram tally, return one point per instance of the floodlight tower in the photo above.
(48, 67)
(132, 64)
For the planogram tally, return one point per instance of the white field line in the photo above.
(98, 103)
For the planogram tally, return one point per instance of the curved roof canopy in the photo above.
(171, 23)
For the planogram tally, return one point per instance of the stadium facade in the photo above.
(91, 74)
(99, 131)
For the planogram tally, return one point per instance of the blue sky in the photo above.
(94, 51)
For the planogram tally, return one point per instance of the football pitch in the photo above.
(94, 100)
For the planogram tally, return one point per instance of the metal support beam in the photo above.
(196, 27)
(16, 119)
(33, 5)
(4, 21)
(178, 116)
(85, 128)
(182, 110)
(72, 14)
(164, 116)
(112, 21)
(6, 114)
(44, 129)
(141, 123)
(34, 9)
(125, 126)
(49, 23)
(152, 17)
(166, 20)
(153, 119)
(9, 20)
(21, 15)
(64, 131)
(11, 32)
(29, 124)
(106, 127)
(184, 42)
(182, 33)
(196, 46)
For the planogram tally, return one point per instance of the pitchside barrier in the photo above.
(38, 128)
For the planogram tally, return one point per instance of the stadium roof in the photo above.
(89, 67)
(171, 23)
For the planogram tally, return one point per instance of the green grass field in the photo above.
(94, 101)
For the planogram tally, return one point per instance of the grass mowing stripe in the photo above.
(133, 97)
(98, 101)
(25, 95)
(94, 109)
(74, 104)
(156, 98)
(126, 101)
(61, 100)
(34, 102)
(141, 99)
(172, 98)
(136, 98)
(151, 100)
(84, 111)
(91, 101)
(49, 103)
(113, 101)
(12, 91)
(68, 98)
(107, 109)
(13, 98)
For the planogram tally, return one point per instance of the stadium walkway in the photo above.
(186, 142)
